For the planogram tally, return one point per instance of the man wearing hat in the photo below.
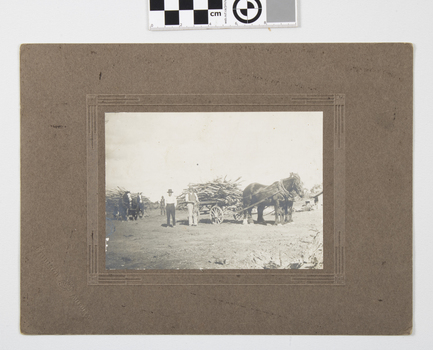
(192, 203)
(171, 207)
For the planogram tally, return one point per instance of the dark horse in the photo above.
(128, 207)
(281, 194)
(125, 204)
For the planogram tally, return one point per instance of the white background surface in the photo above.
(115, 21)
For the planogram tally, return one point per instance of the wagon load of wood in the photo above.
(226, 192)
(113, 197)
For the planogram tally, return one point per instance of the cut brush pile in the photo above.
(226, 192)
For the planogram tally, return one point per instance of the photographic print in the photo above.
(214, 190)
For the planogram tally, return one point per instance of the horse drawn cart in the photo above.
(217, 209)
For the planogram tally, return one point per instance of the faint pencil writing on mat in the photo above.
(62, 283)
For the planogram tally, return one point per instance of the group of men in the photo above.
(168, 207)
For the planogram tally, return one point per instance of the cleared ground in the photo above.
(148, 244)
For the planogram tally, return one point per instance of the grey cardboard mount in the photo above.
(62, 289)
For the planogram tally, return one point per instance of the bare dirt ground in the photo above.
(148, 244)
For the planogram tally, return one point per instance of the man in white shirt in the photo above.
(171, 207)
(192, 203)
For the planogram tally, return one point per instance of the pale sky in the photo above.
(152, 152)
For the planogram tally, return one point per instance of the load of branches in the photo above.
(226, 192)
(113, 196)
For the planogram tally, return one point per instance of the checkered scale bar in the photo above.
(183, 12)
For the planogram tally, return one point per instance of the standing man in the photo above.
(171, 207)
(192, 204)
(162, 205)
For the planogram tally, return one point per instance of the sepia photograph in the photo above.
(214, 190)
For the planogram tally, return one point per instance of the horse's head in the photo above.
(127, 196)
(126, 199)
(296, 184)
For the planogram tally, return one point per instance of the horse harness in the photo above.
(281, 189)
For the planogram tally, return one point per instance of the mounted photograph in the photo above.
(213, 190)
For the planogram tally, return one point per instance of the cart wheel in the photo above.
(216, 215)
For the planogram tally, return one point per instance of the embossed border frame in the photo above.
(333, 108)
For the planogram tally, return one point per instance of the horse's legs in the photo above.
(284, 213)
(250, 217)
(281, 216)
(277, 212)
(245, 213)
(289, 211)
(260, 210)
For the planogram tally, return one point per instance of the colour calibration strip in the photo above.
(208, 14)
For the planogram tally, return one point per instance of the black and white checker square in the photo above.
(215, 4)
(207, 4)
(156, 5)
(201, 17)
(182, 12)
(171, 18)
(186, 4)
(172, 5)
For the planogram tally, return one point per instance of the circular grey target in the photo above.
(247, 11)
